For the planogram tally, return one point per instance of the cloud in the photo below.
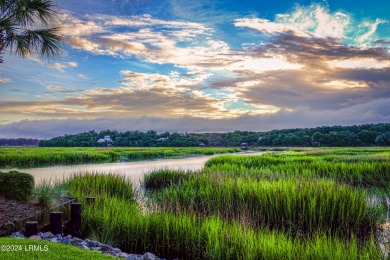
(307, 63)
(374, 112)
(5, 80)
(371, 29)
(316, 21)
(80, 75)
(62, 66)
(158, 101)
(147, 20)
(59, 89)
(330, 74)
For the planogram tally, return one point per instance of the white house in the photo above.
(106, 139)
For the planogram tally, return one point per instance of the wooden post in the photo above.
(56, 220)
(75, 213)
(90, 200)
(31, 228)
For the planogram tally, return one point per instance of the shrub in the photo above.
(16, 185)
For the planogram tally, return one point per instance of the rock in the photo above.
(55, 240)
(116, 250)
(76, 239)
(48, 235)
(59, 237)
(22, 231)
(35, 237)
(133, 257)
(67, 240)
(122, 255)
(105, 247)
(92, 243)
(87, 244)
(149, 256)
(17, 234)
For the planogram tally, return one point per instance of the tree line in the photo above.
(356, 135)
(19, 142)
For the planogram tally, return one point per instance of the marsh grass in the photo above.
(98, 184)
(364, 173)
(187, 236)
(45, 156)
(272, 207)
(293, 205)
(161, 179)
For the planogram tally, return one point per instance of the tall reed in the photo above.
(294, 205)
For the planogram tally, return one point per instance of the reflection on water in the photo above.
(134, 170)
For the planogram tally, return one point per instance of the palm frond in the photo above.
(30, 11)
(45, 42)
(20, 28)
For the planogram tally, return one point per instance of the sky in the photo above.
(203, 66)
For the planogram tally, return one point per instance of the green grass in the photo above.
(357, 169)
(95, 184)
(301, 204)
(160, 179)
(186, 235)
(54, 251)
(48, 194)
(45, 156)
(296, 206)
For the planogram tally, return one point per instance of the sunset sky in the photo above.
(203, 66)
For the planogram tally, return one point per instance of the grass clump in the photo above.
(49, 194)
(161, 179)
(99, 184)
(293, 205)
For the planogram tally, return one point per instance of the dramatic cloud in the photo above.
(307, 67)
(316, 21)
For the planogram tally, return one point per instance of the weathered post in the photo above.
(75, 214)
(56, 220)
(31, 228)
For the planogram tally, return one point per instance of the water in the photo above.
(134, 170)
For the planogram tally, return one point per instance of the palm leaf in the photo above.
(21, 31)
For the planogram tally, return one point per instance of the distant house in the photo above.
(244, 146)
(162, 139)
(315, 143)
(202, 145)
(106, 139)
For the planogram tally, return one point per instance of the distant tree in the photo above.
(383, 139)
(367, 136)
(316, 137)
(25, 28)
(362, 135)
